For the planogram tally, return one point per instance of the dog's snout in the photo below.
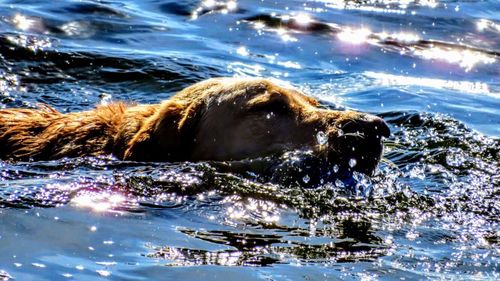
(374, 125)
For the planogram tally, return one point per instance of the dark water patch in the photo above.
(441, 140)
(250, 249)
(89, 8)
(89, 21)
(42, 65)
(180, 8)
(39, 65)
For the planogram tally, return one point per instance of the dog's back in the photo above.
(45, 133)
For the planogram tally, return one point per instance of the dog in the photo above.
(220, 119)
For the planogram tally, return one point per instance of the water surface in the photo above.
(430, 68)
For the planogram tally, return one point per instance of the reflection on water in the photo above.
(487, 25)
(98, 201)
(354, 36)
(263, 250)
(31, 43)
(22, 22)
(211, 6)
(405, 43)
(464, 58)
(463, 86)
(398, 7)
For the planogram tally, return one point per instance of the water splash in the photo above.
(322, 138)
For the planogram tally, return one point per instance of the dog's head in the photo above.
(233, 119)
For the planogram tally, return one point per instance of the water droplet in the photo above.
(455, 157)
(242, 51)
(335, 168)
(268, 116)
(352, 162)
(339, 183)
(103, 273)
(5, 275)
(105, 98)
(322, 138)
(417, 172)
(306, 178)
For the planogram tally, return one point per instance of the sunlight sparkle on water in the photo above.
(354, 36)
(341, 5)
(209, 6)
(252, 209)
(98, 202)
(77, 28)
(402, 36)
(231, 5)
(103, 273)
(303, 19)
(209, 3)
(373, 4)
(285, 36)
(244, 69)
(428, 3)
(31, 42)
(466, 59)
(242, 51)
(259, 25)
(289, 64)
(484, 24)
(23, 22)
(463, 86)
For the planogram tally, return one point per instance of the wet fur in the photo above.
(45, 133)
(182, 128)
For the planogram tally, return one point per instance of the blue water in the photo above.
(429, 68)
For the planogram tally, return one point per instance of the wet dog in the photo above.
(218, 119)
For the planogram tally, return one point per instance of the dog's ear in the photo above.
(157, 136)
(167, 135)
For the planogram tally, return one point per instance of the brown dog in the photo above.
(217, 119)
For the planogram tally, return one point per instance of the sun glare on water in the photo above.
(99, 202)
(466, 59)
(23, 22)
(354, 36)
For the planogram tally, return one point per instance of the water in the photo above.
(430, 68)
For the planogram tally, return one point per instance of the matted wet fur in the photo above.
(217, 119)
